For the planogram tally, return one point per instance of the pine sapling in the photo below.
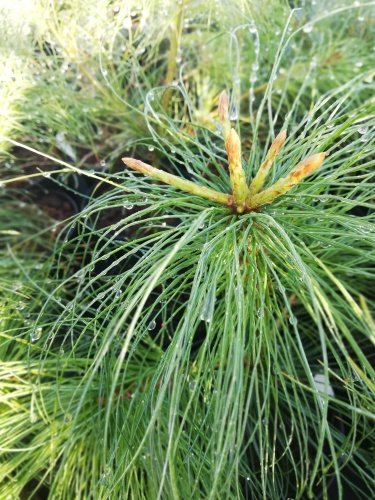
(244, 198)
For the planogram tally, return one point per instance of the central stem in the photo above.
(233, 147)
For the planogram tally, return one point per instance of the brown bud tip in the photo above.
(137, 165)
(133, 163)
(223, 107)
(277, 144)
(128, 161)
(308, 165)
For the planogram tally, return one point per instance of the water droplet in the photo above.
(293, 320)
(208, 304)
(233, 114)
(128, 205)
(68, 417)
(151, 325)
(307, 28)
(36, 334)
(127, 23)
(106, 476)
(362, 129)
(360, 19)
(314, 62)
(260, 312)
(21, 305)
(46, 174)
(64, 146)
(118, 293)
(102, 163)
(320, 384)
(151, 148)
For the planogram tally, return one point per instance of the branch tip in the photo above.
(223, 107)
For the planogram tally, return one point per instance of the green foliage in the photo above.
(154, 344)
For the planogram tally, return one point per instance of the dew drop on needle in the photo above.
(36, 334)
(362, 129)
(151, 325)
